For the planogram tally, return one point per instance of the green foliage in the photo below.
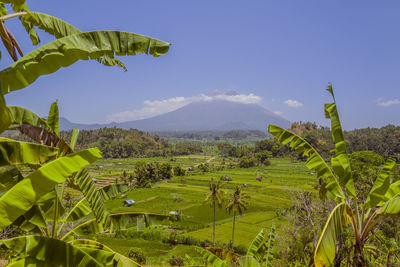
(137, 255)
(48, 58)
(263, 157)
(247, 162)
(179, 171)
(120, 143)
(146, 173)
(383, 198)
(176, 261)
(35, 203)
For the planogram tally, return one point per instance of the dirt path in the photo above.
(207, 161)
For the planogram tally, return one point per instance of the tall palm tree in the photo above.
(215, 197)
(236, 204)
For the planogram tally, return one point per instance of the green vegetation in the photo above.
(35, 203)
(62, 205)
(338, 185)
(119, 143)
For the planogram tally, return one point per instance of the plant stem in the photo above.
(13, 15)
(55, 222)
(233, 228)
(214, 227)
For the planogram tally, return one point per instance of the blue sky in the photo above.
(280, 54)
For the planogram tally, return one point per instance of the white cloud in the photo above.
(279, 113)
(388, 103)
(293, 103)
(157, 107)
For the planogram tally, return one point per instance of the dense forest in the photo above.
(120, 143)
(384, 141)
(215, 135)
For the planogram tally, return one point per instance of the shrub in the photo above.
(247, 162)
(179, 171)
(137, 255)
(204, 167)
(176, 261)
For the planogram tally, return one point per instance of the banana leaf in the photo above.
(391, 207)
(83, 181)
(21, 197)
(113, 190)
(9, 176)
(116, 259)
(325, 250)
(23, 116)
(18, 153)
(79, 211)
(74, 138)
(211, 258)
(314, 160)
(5, 119)
(67, 50)
(85, 228)
(60, 29)
(269, 257)
(52, 251)
(45, 137)
(381, 185)
(52, 118)
(340, 161)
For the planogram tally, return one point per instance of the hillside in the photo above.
(120, 143)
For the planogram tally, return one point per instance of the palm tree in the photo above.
(215, 197)
(237, 203)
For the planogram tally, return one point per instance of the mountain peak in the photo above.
(214, 115)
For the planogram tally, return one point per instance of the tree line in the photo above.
(121, 143)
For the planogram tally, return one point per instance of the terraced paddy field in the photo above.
(268, 198)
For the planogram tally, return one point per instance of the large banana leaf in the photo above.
(113, 190)
(381, 185)
(21, 197)
(340, 162)
(52, 251)
(269, 257)
(314, 160)
(256, 245)
(261, 247)
(74, 138)
(211, 258)
(32, 221)
(45, 137)
(86, 228)
(392, 206)
(9, 176)
(116, 259)
(5, 119)
(52, 119)
(79, 211)
(326, 246)
(17, 153)
(23, 116)
(60, 29)
(83, 182)
(67, 50)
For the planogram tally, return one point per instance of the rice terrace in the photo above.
(220, 144)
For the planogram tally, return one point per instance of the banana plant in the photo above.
(258, 254)
(47, 216)
(34, 202)
(338, 185)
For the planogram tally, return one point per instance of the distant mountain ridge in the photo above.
(216, 115)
